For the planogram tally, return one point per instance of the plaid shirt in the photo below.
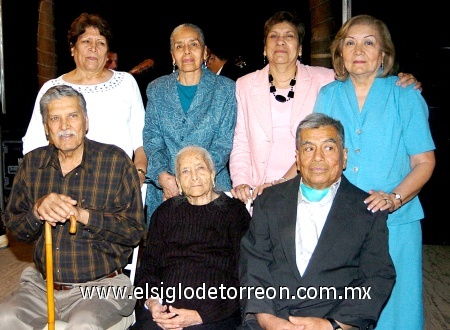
(107, 184)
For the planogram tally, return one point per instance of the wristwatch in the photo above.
(399, 197)
(334, 324)
(140, 170)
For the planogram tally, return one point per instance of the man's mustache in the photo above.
(67, 132)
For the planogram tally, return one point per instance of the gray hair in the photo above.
(58, 92)
(202, 151)
(201, 35)
(316, 120)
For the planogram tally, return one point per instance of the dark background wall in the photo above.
(141, 31)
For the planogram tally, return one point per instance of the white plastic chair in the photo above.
(126, 321)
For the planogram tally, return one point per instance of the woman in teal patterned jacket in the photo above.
(191, 106)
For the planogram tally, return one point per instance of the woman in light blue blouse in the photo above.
(390, 151)
(191, 106)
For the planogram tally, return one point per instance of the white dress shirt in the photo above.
(311, 217)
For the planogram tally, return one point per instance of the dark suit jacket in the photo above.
(232, 71)
(352, 251)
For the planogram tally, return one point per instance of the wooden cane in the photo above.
(49, 269)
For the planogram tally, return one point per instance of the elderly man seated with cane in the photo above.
(98, 185)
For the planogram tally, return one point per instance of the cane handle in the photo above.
(73, 225)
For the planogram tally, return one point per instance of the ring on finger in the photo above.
(387, 201)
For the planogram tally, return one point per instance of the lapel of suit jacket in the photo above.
(287, 222)
(203, 94)
(172, 101)
(341, 210)
(260, 92)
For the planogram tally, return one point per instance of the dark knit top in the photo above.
(192, 248)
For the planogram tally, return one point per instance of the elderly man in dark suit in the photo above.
(314, 256)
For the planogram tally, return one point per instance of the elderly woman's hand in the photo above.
(183, 318)
(161, 314)
(380, 200)
(405, 79)
(259, 189)
(242, 192)
(169, 185)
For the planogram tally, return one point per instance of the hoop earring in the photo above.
(174, 67)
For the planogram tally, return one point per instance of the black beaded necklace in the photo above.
(281, 98)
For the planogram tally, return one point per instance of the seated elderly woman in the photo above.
(189, 268)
